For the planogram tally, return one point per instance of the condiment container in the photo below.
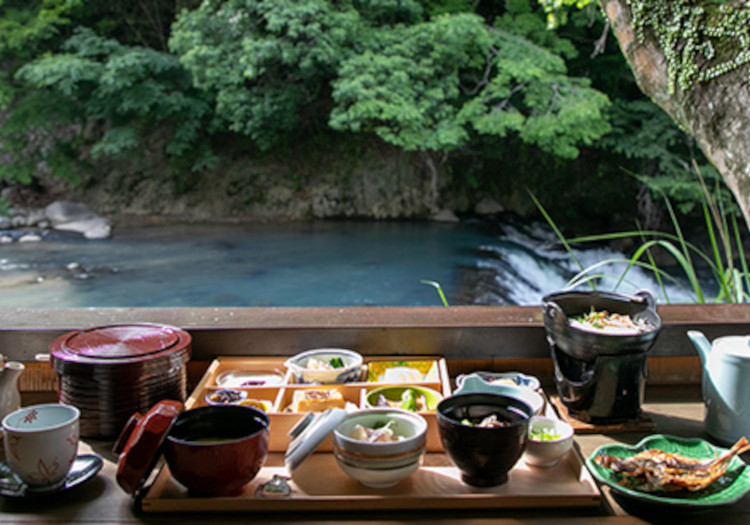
(111, 372)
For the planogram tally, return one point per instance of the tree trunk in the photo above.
(715, 112)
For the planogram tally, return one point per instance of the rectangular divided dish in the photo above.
(376, 372)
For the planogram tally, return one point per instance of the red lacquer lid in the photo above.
(140, 442)
(118, 344)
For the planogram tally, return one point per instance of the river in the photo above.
(321, 263)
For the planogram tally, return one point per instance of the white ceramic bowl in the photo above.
(351, 371)
(380, 465)
(502, 378)
(547, 453)
(474, 384)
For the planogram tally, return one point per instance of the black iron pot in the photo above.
(600, 377)
(560, 307)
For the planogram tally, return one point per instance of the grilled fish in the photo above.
(656, 470)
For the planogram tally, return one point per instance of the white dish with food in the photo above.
(325, 365)
(379, 447)
(549, 440)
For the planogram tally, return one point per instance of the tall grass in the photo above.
(726, 260)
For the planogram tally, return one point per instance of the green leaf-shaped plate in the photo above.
(728, 489)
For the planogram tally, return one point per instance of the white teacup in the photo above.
(41, 443)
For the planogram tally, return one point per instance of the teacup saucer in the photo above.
(85, 467)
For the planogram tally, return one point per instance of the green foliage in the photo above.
(433, 86)
(131, 90)
(25, 26)
(439, 290)
(431, 77)
(641, 131)
(558, 11)
(267, 63)
(484, 80)
(728, 269)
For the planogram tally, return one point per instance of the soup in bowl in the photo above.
(484, 434)
(217, 450)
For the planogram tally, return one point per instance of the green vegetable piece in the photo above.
(543, 434)
(409, 400)
(336, 362)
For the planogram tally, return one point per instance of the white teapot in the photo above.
(725, 385)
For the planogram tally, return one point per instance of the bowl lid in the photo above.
(139, 444)
(119, 344)
(310, 432)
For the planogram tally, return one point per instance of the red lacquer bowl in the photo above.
(217, 450)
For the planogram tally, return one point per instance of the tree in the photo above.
(691, 58)
(426, 81)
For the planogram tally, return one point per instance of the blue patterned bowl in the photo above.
(321, 366)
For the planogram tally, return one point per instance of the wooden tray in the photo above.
(643, 423)
(280, 395)
(319, 485)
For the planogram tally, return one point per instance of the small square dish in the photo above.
(402, 371)
(239, 378)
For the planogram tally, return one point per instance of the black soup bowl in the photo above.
(484, 455)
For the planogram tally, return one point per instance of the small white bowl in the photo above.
(351, 371)
(378, 464)
(547, 453)
(379, 478)
(474, 384)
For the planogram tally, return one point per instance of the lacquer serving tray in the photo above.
(320, 485)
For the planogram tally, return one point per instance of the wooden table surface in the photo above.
(675, 410)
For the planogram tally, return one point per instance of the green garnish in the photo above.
(543, 434)
(336, 362)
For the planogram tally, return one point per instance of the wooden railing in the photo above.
(469, 337)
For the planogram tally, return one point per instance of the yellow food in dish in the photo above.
(316, 400)
(260, 404)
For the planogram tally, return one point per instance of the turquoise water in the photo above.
(325, 263)
(321, 263)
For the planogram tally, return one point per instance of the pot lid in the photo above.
(140, 442)
(119, 344)
(310, 432)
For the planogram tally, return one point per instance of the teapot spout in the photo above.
(701, 343)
